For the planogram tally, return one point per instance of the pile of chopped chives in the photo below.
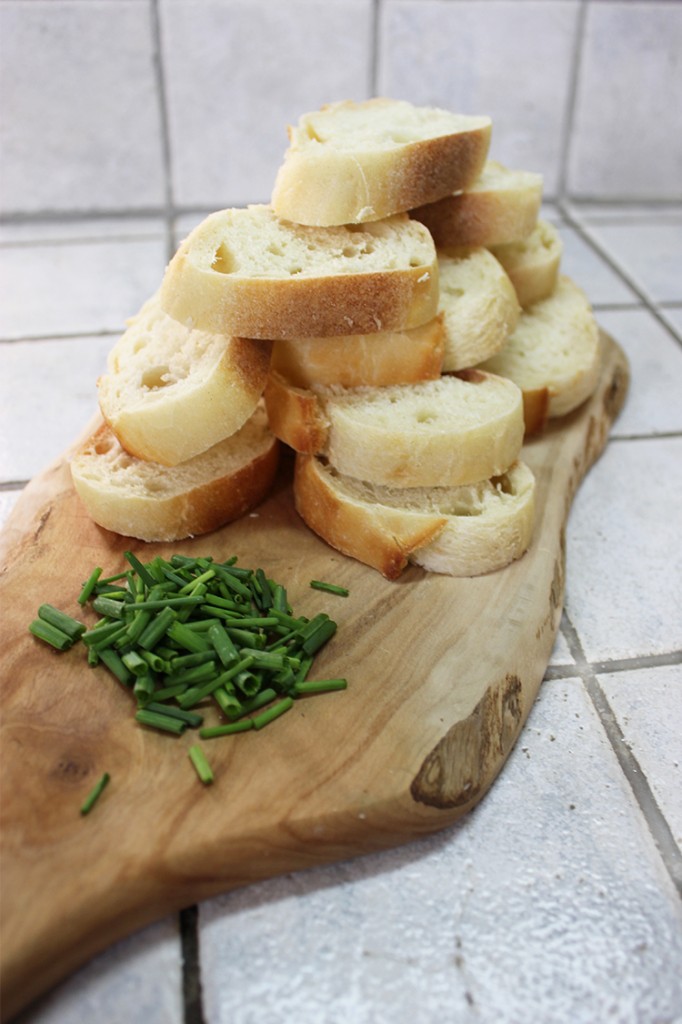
(188, 633)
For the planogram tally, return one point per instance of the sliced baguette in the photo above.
(374, 360)
(479, 306)
(455, 430)
(459, 531)
(245, 272)
(142, 499)
(350, 163)
(533, 263)
(172, 392)
(502, 206)
(556, 347)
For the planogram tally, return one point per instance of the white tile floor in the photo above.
(557, 900)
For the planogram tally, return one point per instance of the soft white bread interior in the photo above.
(454, 430)
(479, 306)
(247, 273)
(142, 499)
(350, 163)
(501, 206)
(556, 346)
(375, 360)
(533, 263)
(459, 531)
(171, 391)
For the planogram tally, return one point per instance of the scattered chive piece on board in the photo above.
(94, 794)
(330, 588)
(203, 768)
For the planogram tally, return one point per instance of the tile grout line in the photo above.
(374, 44)
(569, 117)
(164, 128)
(632, 770)
(188, 920)
(650, 304)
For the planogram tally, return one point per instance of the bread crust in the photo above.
(168, 417)
(319, 184)
(416, 435)
(373, 360)
(485, 527)
(154, 514)
(484, 216)
(381, 538)
(197, 292)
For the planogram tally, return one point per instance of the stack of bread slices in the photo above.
(395, 315)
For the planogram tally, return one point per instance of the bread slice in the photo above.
(455, 430)
(502, 206)
(350, 163)
(247, 273)
(533, 263)
(478, 303)
(556, 347)
(459, 531)
(171, 391)
(155, 503)
(375, 360)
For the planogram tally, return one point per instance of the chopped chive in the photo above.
(229, 704)
(49, 634)
(139, 568)
(319, 636)
(157, 628)
(115, 665)
(163, 722)
(192, 719)
(158, 604)
(168, 692)
(72, 627)
(214, 731)
(224, 647)
(89, 586)
(330, 588)
(137, 665)
(94, 794)
(320, 686)
(203, 768)
(106, 606)
(186, 637)
(270, 714)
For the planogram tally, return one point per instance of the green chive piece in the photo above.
(89, 586)
(94, 794)
(228, 702)
(157, 628)
(214, 731)
(163, 722)
(139, 568)
(319, 636)
(189, 717)
(265, 696)
(224, 647)
(168, 692)
(115, 665)
(49, 634)
(106, 606)
(270, 714)
(330, 588)
(137, 665)
(203, 768)
(72, 627)
(320, 686)
(186, 638)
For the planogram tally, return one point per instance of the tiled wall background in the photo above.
(166, 106)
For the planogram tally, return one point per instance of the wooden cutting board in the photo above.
(442, 673)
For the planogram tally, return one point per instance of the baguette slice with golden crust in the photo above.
(172, 392)
(459, 531)
(375, 360)
(502, 206)
(156, 503)
(478, 303)
(350, 163)
(247, 273)
(455, 430)
(533, 263)
(556, 346)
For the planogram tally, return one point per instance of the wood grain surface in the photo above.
(442, 673)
